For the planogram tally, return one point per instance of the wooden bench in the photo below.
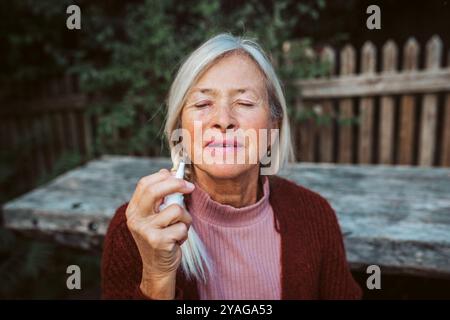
(395, 217)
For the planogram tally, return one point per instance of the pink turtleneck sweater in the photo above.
(243, 244)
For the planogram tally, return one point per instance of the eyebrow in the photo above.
(214, 91)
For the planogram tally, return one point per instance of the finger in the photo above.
(159, 202)
(171, 215)
(154, 194)
(152, 179)
(144, 182)
(177, 232)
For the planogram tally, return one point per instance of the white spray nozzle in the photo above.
(175, 197)
(180, 170)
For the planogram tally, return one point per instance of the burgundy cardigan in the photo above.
(313, 260)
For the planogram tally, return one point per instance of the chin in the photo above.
(224, 171)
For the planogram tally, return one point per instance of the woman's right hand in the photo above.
(158, 235)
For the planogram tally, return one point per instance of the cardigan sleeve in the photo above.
(121, 268)
(336, 280)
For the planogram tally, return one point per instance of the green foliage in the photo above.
(34, 45)
(142, 51)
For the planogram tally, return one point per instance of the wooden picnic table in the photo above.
(397, 217)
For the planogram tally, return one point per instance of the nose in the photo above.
(223, 119)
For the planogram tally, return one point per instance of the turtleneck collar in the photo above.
(200, 205)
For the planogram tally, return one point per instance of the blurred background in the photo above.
(69, 96)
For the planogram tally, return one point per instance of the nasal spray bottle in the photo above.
(175, 197)
(194, 261)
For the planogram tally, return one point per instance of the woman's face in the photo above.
(227, 117)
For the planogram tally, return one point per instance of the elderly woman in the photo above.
(244, 233)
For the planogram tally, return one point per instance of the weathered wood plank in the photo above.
(408, 107)
(23, 138)
(325, 132)
(40, 106)
(306, 133)
(428, 129)
(345, 149)
(308, 129)
(346, 114)
(406, 130)
(395, 217)
(17, 145)
(39, 146)
(445, 149)
(386, 151)
(377, 84)
(58, 134)
(366, 131)
(445, 146)
(49, 152)
(387, 111)
(427, 143)
(70, 131)
(366, 107)
(87, 135)
(33, 159)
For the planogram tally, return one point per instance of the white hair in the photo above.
(195, 260)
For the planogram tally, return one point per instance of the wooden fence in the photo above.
(388, 116)
(36, 131)
(47, 126)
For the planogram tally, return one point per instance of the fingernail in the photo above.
(189, 185)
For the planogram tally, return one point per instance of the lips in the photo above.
(232, 143)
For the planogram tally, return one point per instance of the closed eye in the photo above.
(246, 104)
(202, 105)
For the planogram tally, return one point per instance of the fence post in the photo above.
(387, 110)
(307, 128)
(445, 147)
(429, 111)
(325, 133)
(366, 106)
(408, 106)
(346, 109)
